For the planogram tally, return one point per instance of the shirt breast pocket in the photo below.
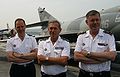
(57, 52)
(102, 46)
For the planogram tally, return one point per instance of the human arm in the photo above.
(60, 57)
(104, 54)
(10, 53)
(27, 52)
(110, 55)
(78, 56)
(28, 56)
(12, 58)
(101, 56)
(52, 60)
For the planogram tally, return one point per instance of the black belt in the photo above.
(58, 75)
(23, 65)
(95, 74)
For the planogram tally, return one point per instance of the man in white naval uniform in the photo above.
(21, 51)
(95, 49)
(53, 53)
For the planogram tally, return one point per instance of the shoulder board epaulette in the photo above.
(65, 39)
(81, 33)
(107, 32)
(30, 35)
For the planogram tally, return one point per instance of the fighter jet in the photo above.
(70, 30)
(4, 34)
(110, 21)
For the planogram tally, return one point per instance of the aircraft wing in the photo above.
(42, 24)
(4, 30)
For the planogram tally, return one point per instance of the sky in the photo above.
(62, 10)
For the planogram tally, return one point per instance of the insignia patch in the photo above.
(45, 49)
(83, 44)
(108, 32)
(102, 44)
(82, 32)
(14, 45)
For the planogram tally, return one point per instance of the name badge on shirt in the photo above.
(102, 44)
(58, 51)
(59, 48)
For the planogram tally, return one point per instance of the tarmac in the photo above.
(72, 71)
(5, 66)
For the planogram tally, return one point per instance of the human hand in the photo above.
(41, 58)
(84, 52)
(106, 50)
(18, 55)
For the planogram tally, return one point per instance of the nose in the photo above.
(53, 30)
(21, 28)
(95, 22)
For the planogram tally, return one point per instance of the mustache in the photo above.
(52, 33)
(94, 25)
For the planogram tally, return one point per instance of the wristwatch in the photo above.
(88, 54)
(46, 58)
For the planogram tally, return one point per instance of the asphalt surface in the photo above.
(72, 71)
(5, 66)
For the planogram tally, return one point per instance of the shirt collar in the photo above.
(99, 34)
(16, 36)
(58, 40)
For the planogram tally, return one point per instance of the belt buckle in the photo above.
(91, 74)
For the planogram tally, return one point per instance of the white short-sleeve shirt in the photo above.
(17, 45)
(100, 43)
(60, 48)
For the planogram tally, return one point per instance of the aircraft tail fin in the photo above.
(44, 15)
(8, 27)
